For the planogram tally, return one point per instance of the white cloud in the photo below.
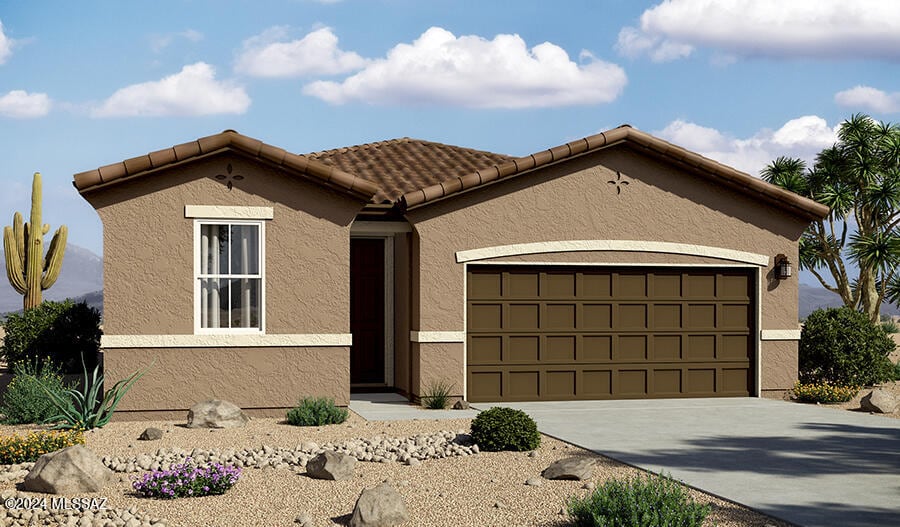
(161, 42)
(192, 91)
(470, 71)
(20, 104)
(777, 28)
(869, 98)
(267, 55)
(6, 45)
(803, 137)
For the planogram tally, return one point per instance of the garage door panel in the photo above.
(558, 333)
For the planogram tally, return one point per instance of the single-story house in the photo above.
(617, 266)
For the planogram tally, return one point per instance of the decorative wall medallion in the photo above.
(619, 182)
(229, 178)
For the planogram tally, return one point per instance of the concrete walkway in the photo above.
(395, 407)
(808, 465)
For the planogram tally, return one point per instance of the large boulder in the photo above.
(880, 401)
(380, 506)
(72, 470)
(331, 465)
(216, 414)
(570, 468)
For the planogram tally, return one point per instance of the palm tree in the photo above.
(859, 178)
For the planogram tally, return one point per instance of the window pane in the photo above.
(244, 249)
(214, 249)
(245, 303)
(214, 303)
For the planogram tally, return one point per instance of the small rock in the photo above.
(570, 468)
(413, 462)
(534, 482)
(879, 401)
(589, 486)
(150, 434)
(331, 465)
(380, 506)
(532, 454)
(499, 505)
(216, 413)
(461, 405)
(304, 519)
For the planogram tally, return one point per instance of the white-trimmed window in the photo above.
(229, 276)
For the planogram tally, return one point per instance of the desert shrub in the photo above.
(88, 407)
(823, 392)
(316, 411)
(897, 371)
(187, 479)
(60, 331)
(497, 429)
(25, 400)
(890, 327)
(17, 449)
(654, 501)
(842, 347)
(437, 396)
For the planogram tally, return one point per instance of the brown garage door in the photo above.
(554, 333)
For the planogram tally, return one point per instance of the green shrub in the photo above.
(897, 371)
(316, 411)
(60, 331)
(17, 449)
(890, 327)
(654, 501)
(85, 409)
(842, 347)
(437, 396)
(25, 400)
(497, 429)
(824, 393)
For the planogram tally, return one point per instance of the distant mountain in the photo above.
(81, 275)
(815, 297)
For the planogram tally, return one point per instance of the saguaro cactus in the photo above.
(27, 269)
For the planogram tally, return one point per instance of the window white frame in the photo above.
(198, 329)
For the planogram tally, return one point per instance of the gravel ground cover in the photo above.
(481, 489)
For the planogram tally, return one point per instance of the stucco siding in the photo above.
(576, 201)
(779, 364)
(252, 378)
(149, 248)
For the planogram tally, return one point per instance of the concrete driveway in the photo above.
(808, 465)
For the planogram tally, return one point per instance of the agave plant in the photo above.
(85, 409)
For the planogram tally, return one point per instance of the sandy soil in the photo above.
(487, 489)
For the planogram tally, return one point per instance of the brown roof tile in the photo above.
(400, 166)
(634, 138)
(229, 139)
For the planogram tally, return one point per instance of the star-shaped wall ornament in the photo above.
(619, 182)
(229, 178)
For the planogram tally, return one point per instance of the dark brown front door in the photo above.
(558, 333)
(367, 310)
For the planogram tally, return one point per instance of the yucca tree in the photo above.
(859, 178)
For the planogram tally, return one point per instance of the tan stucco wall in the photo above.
(149, 249)
(252, 378)
(437, 363)
(573, 201)
(780, 361)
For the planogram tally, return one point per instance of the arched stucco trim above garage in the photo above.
(610, 245)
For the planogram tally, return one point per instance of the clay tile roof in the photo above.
(400, 166)
(635, 139)
(227, 140)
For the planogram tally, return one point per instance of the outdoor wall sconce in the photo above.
(783, 268)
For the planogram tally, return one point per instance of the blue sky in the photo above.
(85, 84)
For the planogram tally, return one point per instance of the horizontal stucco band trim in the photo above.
(225, 341)
(779, 334)
(437, 336)
(228, 212)
(610, 245)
